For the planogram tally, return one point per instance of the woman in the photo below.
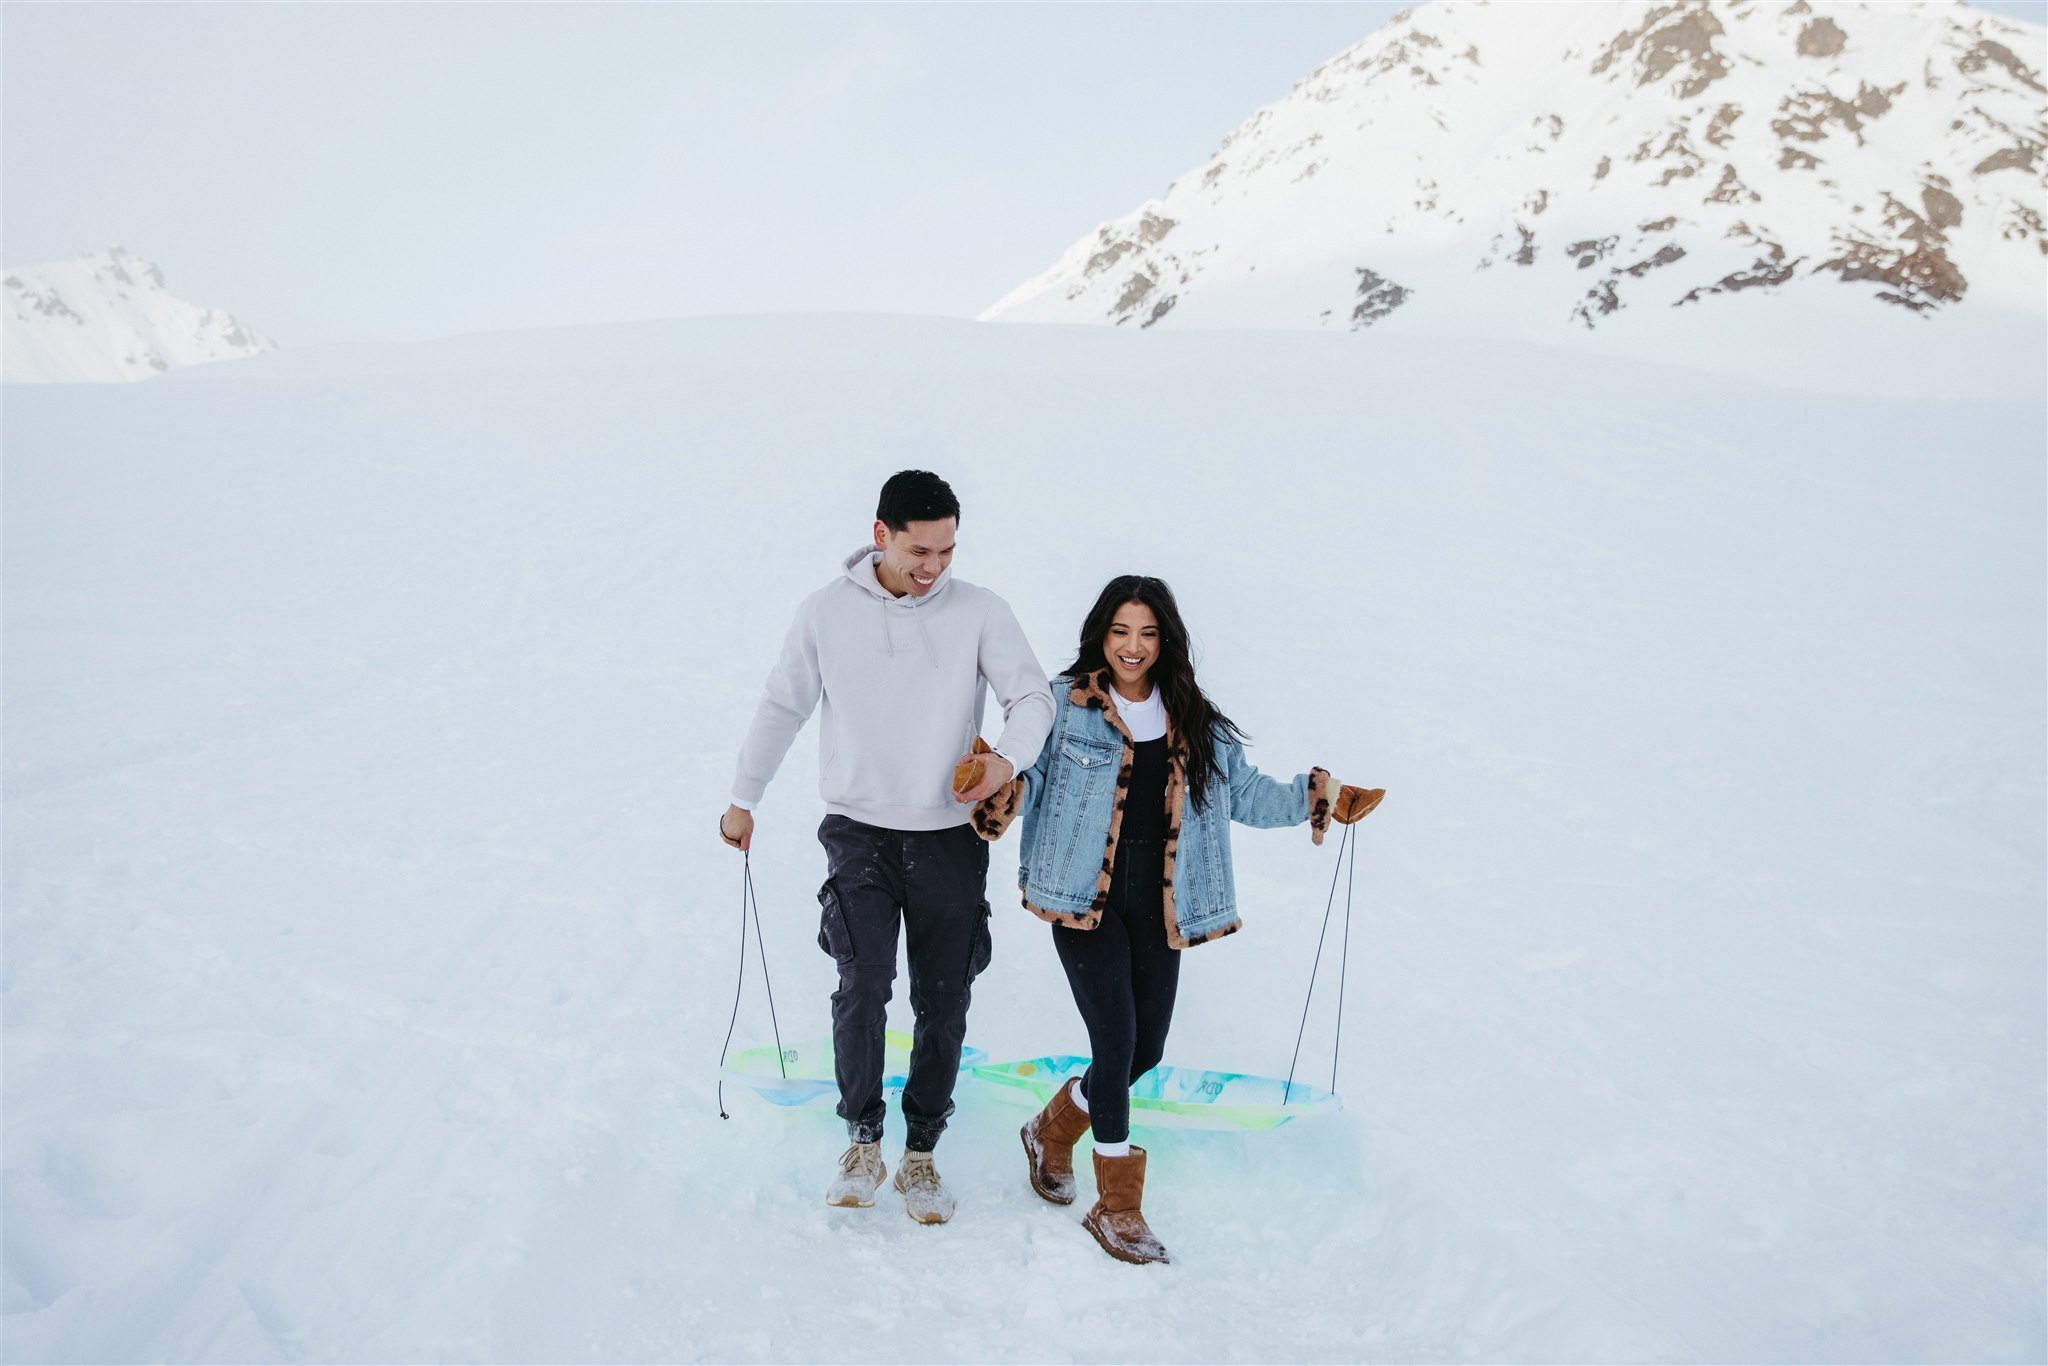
(1126, 831)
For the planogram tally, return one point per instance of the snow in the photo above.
(1652, 151)
(368, 945)
(106, 317)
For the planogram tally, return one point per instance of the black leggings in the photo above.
(1123, 974)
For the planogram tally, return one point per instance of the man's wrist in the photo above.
(743, 804)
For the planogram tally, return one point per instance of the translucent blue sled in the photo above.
(1175, 1097)
(809, 1068)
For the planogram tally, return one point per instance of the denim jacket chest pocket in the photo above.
(1087, 754)
(1083, 792)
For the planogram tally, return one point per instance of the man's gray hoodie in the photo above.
(903, 681)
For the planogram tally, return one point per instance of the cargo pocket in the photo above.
(984, 944)
(833, 936)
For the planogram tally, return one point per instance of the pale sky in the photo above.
(414, 170)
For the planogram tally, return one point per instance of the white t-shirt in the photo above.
(1144, 720)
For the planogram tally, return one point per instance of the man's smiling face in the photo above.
(913, 558)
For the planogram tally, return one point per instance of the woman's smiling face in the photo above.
(1132, 646)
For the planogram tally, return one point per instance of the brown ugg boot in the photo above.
(1117, 1221)
(1049, 1139)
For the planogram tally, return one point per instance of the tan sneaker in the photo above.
(924, 1198)
(860, 1175)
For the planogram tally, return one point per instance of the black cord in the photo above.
(1288, 1089)
(746, 889)
(781, 1065)
(1344, 963)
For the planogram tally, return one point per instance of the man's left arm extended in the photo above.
(1018, 682)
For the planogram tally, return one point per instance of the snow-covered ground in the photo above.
(368, 947)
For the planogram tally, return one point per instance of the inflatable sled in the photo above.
(809, 1068)
(1174, 1097)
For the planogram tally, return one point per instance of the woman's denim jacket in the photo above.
(1072, 802)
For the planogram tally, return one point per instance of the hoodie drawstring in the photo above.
(872, 583)
(889, 638)
(930, 653)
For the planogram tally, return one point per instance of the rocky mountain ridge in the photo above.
(1554, 166)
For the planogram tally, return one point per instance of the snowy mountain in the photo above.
(106, 317)
(1539, 167)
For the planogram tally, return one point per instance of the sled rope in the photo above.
(748, 901)
(1347, 844)
(1343, 961)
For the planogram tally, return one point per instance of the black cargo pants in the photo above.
(932, 882)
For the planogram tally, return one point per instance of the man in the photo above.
(903, 655)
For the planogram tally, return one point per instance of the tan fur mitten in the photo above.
(1354, 804)
(969, 772)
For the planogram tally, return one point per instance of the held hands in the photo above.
(736, 828)
(980, 773)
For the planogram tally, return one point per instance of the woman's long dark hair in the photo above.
(1196, 720)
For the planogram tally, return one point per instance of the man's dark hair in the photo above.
(915, 496)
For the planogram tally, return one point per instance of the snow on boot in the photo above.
(860, 1172)
(1049, 1139)
(924, 1198)
(1117, 1221)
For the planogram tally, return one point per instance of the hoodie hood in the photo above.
(860, 567)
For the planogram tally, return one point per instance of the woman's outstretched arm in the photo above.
(1268, 803)
(1314, 796)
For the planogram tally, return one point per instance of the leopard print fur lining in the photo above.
(1322, 798)
(1093, 690)
(993, 813)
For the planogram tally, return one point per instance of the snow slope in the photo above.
(106, 317)
(368, 946)
(1551, 167)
